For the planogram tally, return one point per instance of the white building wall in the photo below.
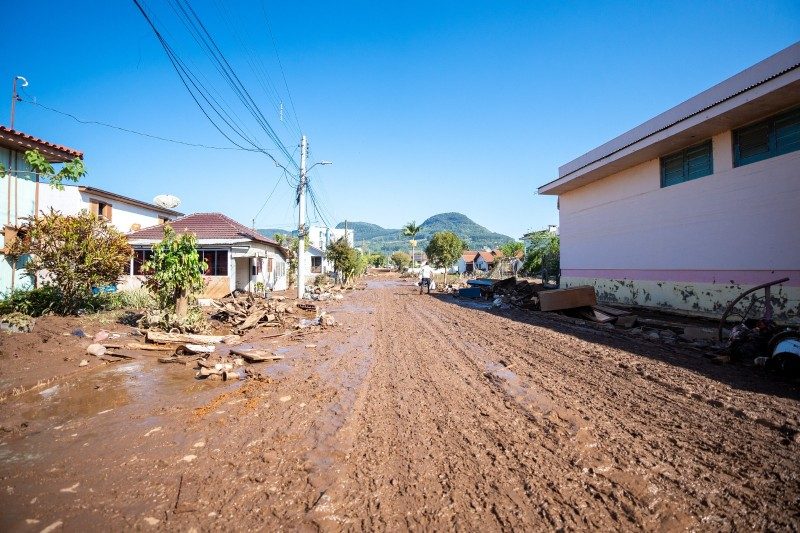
(694, 245)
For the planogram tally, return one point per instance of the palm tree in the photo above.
(410, 230)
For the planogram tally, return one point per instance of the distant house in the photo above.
(696, 205)
(466, 263)
(484, 260)
(237, 256)
(320, 237)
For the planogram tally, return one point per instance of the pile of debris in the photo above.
(323, 293)
(523, 293)
(246, 311)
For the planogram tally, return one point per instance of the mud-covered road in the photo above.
(414, 413)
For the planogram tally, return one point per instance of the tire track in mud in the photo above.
(487, 466)
(697, 443)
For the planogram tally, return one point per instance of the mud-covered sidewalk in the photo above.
(415, 412)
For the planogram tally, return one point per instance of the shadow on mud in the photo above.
(739, 376)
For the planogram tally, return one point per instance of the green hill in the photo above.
(387, 240)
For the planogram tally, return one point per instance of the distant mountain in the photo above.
(270, 232)
(386, 240)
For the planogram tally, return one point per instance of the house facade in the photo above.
(466, 263)
(26, 194)
(319, 238)
(696, 205)
(238, 258)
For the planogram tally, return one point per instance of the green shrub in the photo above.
(33, 302)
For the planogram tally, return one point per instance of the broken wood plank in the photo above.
(252, 320)
(182, 338)
(613, 311)
(151, 347)
(256, 356)
(122, 355)
(559, 299)
(594, 315)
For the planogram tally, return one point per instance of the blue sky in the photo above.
(424, 107)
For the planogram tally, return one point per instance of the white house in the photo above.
(695, 205)
(319, 238)
(237, 256)
(24, 194)
(126, 214)
(466, 263)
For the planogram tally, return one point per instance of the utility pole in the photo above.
(15, 98)
(301, 200)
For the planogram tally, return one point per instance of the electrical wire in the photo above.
(127, 130)
(280, 64)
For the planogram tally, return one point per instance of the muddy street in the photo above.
(414, 412)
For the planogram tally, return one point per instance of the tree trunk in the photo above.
(181, 304)
(445, 278)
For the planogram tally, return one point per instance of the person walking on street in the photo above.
(425, 277)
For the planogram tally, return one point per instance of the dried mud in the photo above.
(414, 413)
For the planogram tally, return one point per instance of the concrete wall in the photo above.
(692, 246)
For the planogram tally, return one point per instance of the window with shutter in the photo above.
(688, 164)
(771, 137)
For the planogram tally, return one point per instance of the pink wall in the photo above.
(737, 219)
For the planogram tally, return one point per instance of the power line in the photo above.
(127, 130)
(200, 92)
(280, 64)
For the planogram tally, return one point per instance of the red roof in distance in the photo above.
(204, 226)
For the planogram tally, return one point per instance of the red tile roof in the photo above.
(55, 153)
(468, 255)
(204, 226)
(487, 256)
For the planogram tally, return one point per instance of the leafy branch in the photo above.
(71, 171)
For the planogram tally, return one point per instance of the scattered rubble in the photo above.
(17, 322)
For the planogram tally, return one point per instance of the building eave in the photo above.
(131, 201)
(768, 87)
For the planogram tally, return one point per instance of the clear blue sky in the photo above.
(424, 107)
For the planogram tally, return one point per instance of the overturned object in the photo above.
(559, 299)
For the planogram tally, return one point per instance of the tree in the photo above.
(175, 272)
(543, 255)
(71, 171)
(377, 259)
(75, 253)
(512, 248)
(401, 260)
(444, 249)
(410, 230)
(347, 261)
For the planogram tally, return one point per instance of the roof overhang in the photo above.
(768, 87)
(131, 201)
(22, 142)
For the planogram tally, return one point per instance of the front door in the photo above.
(242, 273)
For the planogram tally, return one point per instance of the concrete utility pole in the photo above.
(15, 98)
(301, 199)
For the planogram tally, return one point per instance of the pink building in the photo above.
(695, 205)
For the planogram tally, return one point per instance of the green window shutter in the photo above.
(689, 164)
(787, 133)
(771, 137)
(752, 144)
(672, 170)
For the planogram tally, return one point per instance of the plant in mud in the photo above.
(72, 254)
(71, 171)
(444, 249)
(174, 274)
(401, 260)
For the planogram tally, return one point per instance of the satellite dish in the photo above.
(167, 200)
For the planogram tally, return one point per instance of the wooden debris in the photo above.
(595, 315)
(306, 306)
(257, 356)
(627, 321)
(559, 299)
(183, 338)
(151, 347)
(246, 311)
